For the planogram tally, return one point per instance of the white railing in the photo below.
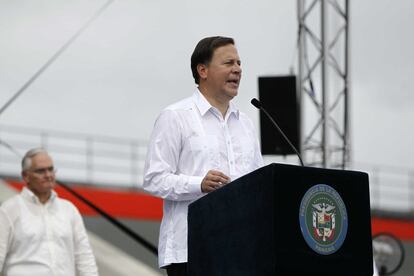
(101, 160)
(391, 187)
(83, 158)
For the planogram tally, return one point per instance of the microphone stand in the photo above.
(258, 105)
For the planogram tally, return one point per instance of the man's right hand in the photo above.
(213, 180)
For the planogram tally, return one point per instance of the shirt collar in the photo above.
(233, 110)
(30, 196)
(203, 105)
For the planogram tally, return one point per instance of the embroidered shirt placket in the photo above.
(229, 145)
(49, 236)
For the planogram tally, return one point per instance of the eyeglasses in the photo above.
(43, 171)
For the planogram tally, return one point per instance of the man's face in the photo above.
(40, 177)
(222, 76)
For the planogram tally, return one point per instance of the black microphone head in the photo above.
(256, 103)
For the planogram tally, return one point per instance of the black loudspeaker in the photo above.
(278, 96)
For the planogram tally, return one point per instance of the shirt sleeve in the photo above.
(5, 236)
(84, 258)
(160, 173)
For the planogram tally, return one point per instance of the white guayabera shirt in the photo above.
(190, 138)
(43, 239)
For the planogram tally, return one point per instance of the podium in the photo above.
(283, 220)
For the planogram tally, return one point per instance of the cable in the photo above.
(112, 220)
(55, 56)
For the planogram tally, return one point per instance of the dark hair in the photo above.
(203, 52)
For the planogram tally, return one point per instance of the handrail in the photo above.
(14, 158)
(391, 187)
(111, 161)
(112, 220)
(79, 157)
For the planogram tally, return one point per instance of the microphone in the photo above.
(258, 105)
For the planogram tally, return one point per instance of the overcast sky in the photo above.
(135, 59)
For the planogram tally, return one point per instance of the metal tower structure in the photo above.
(323, 82)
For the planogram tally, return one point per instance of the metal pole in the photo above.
(346, 156)
(301, 37)
(44, 140)
(376, 189)
(89, 159)
(411, 185)
(324, 80)
(134, 163)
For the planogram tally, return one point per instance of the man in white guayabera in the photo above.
(198, 145)
(40, 233)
